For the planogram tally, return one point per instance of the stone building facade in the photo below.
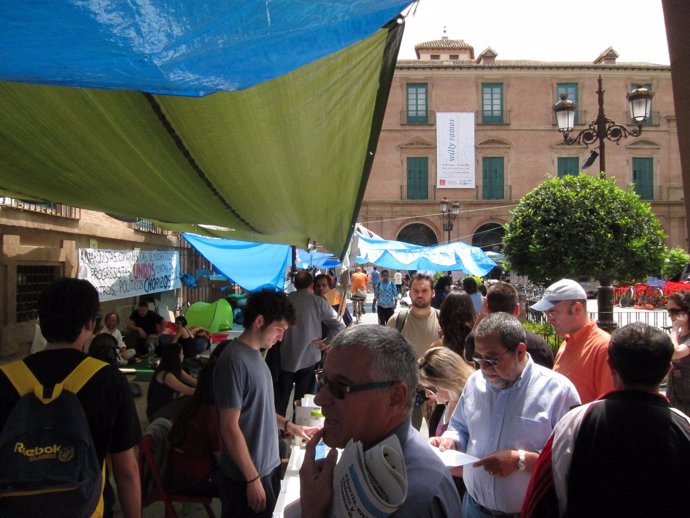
(40, 242)
(516, 142)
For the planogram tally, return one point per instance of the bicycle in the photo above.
(357, 306)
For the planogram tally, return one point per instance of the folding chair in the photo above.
(149, 468)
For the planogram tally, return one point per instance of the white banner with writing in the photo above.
(455, 150)
(129, 273)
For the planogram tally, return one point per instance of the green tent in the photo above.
(213, 316)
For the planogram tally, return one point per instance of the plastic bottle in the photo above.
(316, 418)
(152, 354)
(320, 451)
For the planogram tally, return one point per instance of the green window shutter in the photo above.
(492, 103)
(417, 178)
(568, 165)
(571, 90)
(492, 178)
(417, 103)
(643, 177)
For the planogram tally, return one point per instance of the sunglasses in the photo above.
(492, 362)
(430, 389)
(340, 390)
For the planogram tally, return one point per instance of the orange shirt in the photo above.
(358, 281)
(582, 359)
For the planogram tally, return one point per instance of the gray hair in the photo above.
(393, 358)
(506, 326)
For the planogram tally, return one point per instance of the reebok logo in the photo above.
(40, 452)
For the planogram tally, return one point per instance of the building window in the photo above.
(418, 178)
(435, 56)
(643, 177)
(454, 56)
(568, 165)
(492, 103)
(492, 178)
(417, 103)
(649, 121)
(31, 280)
(571, 90)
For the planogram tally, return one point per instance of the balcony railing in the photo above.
(144, 225)
(50, 208)
(408, 120)
(417, 193)
(654, 120)
(494, 192)
(492, 118)
(670, 192)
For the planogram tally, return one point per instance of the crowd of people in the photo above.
(569, 435)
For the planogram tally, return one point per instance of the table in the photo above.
(289, 486)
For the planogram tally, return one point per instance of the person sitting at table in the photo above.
(195, 442)
(111, 321)
(143, 327)
(169, 382)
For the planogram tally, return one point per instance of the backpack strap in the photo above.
(25, 382)
(82, 373)
(20, 376)
(400, 319)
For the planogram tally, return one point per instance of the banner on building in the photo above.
(117, 274)
(455, 150)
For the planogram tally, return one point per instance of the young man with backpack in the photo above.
(419, 325)
(85, 413)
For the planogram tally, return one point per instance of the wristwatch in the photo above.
(522, 461)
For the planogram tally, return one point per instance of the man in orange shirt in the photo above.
(582, 357)
(359, 281)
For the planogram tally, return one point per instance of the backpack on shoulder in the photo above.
(48, 462)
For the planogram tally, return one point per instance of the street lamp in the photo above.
(603, 129)
(449, 215)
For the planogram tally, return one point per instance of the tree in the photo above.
(578, 225)
(675, 261)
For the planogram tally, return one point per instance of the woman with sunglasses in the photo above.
(678, 388)
(442, 374)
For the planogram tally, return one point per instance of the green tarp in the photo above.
(285, 161)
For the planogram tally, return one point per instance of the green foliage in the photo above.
(674, 262)
(578, 225)
(546, 331)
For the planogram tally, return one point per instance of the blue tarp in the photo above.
(253, 266)
(316, 259)
(398, 255)
(183, 47)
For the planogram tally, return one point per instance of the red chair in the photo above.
(149, 471)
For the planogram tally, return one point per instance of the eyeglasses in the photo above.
(340, 390)
(674, 311)
(430, 389)
(491, 362)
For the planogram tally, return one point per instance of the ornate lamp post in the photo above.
(601, 130)
(449, 215)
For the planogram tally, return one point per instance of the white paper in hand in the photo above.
(454, 458)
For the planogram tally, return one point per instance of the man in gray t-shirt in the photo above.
(249, 426)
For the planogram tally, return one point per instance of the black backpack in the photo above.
(48, 462)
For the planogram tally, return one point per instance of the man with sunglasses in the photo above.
(367, 391)
(505, 415)
(583, 354)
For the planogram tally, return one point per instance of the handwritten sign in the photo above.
(117, 274)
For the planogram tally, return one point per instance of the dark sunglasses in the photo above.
(340, 390)
(493, 362)
(430, 389)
